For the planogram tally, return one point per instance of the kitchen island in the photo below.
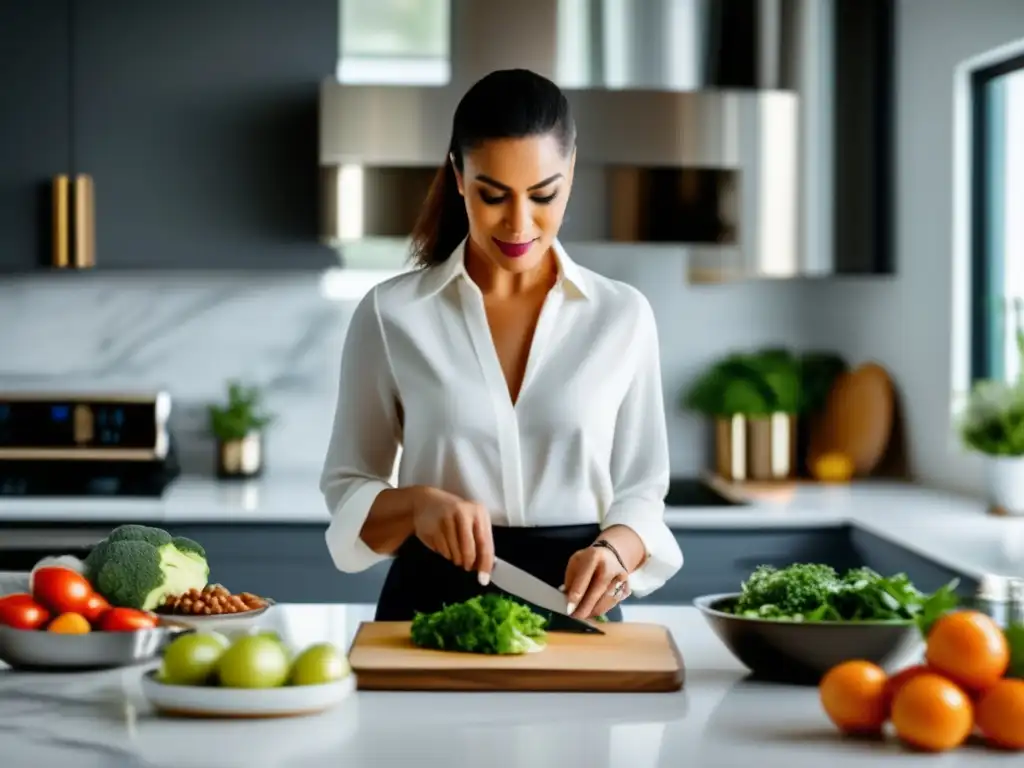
(94, 720)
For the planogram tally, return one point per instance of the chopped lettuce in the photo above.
(488, 623)
(814, 592)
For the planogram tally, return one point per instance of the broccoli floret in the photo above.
(188, 547)
(155, 536)
(792, 591)
(490, 624)
(131, 532)
(136, 573)
(94, 560)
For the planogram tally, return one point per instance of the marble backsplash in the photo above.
(189, 333)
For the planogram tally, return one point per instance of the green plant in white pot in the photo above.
(238, 425)
(993, 425)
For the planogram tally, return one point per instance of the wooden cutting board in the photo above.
(857, 419)
(630, 657)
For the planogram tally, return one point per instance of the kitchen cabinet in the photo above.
(290, 562)
(35, 125)
(197, 121)
(888, 558)
(719, 559)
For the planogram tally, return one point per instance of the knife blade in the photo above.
(525, 585)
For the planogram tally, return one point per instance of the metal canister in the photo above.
(1015, 616)
(993, 598)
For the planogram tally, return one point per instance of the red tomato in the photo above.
(62, 590)
(22, 612)
(126, 620)
(95, 607)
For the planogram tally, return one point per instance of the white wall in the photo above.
(908, 323)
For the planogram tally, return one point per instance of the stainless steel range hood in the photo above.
(704, 126)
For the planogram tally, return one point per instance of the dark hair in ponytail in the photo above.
(508, 103)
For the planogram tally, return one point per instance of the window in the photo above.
(394, 42)
(997, 219)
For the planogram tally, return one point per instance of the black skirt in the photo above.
(422, 581)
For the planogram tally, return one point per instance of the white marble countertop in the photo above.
(954, 531)
(719, 719)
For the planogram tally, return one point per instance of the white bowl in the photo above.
(213, 701)
(222, 622)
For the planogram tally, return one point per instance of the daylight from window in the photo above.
(1013, 217)
(1003, 222)
(394, 42)
(997, 225)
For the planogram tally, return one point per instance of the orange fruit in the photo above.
(969, 648)
(853, 696)
(932, 713)
(901, 678)
(999, 714)
(70, 624)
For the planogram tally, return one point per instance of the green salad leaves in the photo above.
(1015, 637)
(815, 592)
(488, 623)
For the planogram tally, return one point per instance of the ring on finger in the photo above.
(619, 590)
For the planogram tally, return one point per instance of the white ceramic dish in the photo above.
(220, 622)
(203, 701)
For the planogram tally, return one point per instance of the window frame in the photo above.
(987, 329)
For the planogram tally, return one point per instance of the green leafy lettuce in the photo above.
(1015, 637)
(815, 592)
(488, 623)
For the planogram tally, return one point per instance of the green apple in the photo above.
(191, 658)
(318, 664)
(254, 661)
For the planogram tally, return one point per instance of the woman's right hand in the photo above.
(456, 529)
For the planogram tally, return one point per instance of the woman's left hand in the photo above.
(595, 582)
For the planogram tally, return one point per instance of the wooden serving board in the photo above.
(630, 657)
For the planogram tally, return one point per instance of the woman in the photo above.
(524, 390)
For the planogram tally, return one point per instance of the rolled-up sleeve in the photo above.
(640, 464)
(365, 438)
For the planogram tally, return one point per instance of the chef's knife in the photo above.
(528, 587)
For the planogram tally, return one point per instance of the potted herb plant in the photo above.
(755, 400)
(239, 426)
(993, 425)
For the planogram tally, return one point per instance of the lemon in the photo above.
(833, 467)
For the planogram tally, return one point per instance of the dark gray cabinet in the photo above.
(717, 560)
(290, 562)
(197, 121)
(35, 125)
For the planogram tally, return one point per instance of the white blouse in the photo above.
(585, 442)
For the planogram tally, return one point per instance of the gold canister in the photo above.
(241, 458)
(756, 447)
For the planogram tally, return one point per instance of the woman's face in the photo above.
(516, 191)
